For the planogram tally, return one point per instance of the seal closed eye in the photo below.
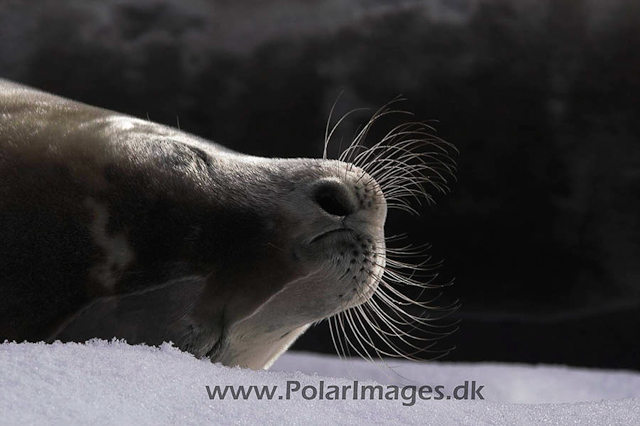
(111, 226)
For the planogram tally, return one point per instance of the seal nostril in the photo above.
(332, 198)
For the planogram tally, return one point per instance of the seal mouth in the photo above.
(325, 235)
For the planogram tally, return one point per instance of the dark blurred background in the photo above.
(542, 98)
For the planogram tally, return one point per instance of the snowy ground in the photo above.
(114, 383)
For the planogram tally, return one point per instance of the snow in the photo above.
(115, 383)
(511, 383)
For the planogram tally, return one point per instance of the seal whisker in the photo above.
(396, 331)
(402, 165)
(335, 337)
(333, 129)
(363, 157)
(397, 352)
(361, 339)
(344, 318)
(393, 323)
(362, 135)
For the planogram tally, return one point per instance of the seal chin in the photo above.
(349, 254)
(357, 261)
(347, 267)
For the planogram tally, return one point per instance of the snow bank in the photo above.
(511, 383)
(114, 383)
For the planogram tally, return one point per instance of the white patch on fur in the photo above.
(118, 253)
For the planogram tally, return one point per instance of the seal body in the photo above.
(112, 226)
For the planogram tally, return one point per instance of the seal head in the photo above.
(111, 226)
